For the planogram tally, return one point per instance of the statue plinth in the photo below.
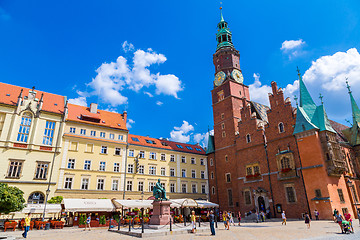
(161, 213)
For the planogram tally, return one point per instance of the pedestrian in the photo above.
(307, 220)
(211, 220)
(257, 216)
(224, 216)
(227, 221)
(26, 225)
(231, 218)
(316, 213)
(349, 219)
(193, 221)
(283, 216)
(262, 214)
(335, 212)
(239, 217)
(339, 220)
(88, 221)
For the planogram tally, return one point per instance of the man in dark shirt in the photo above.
(211, 220)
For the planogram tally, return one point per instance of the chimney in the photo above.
(125, 116)
(93, 107)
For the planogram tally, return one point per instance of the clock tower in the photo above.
(228, 97)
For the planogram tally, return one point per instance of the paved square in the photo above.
(256, 231)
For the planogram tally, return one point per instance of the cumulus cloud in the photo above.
(202, 138)
(182, 134)
(259, 92)
(292, 48)
(159, 103)
(130, 123)
(114, 77)
(127, 46)
(79, 101)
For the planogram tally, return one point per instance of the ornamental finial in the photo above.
(347, 85)
(321, 98)
(295, 98)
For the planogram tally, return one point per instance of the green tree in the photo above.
(11, 199)
(56, 200)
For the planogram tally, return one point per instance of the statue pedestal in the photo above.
(161, 213)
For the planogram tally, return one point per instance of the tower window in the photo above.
(248, 138)
(219, 39)
(223, 38)
(223, 134)
(281, 127)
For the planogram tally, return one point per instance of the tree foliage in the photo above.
(56, 200)
(11, 199)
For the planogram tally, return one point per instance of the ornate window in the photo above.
(253, 170)
(36, 198)
(285, 163)
(24, 128)
(281, 127)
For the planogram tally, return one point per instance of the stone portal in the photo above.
(161, 213)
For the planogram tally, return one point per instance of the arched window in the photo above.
(248, 138)
(213, 190)
(211, 162)
(285, 163)
(226, 158)
(281, 127)
(24, 128)
(36, 198)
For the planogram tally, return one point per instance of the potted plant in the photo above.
(102, 221)
(82, 221)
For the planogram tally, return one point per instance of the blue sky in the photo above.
(154, 58)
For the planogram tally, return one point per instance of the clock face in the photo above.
(237, 75)
(219, 78)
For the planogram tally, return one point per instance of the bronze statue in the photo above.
(159, 192)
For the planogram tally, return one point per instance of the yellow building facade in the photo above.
(94, 151)
(31, 126)
(180, 167)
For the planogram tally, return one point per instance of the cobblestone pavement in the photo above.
(256, 231)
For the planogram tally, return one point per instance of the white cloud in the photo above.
(259, 92)
(149, 94)
(293, 48)
(114, 77)
(202, 138)
(182, 134)
(159, 103)
(129, 123)
(78, 101)
(127, 46)
(168, 85)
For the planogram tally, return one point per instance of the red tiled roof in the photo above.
(170, 145)
(51, 102)
(107, 119)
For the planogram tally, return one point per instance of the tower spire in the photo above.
(224, 35)
(305, 99)
(354, 106)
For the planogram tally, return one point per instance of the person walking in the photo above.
(239, 217)
(231, 219)
(316, 213)
(88, 221)
(26, 225)
(193, 221)
(283, 216)
(339, 220)
(349, 219)
(211, 217)
(224, 216)
(307, 220)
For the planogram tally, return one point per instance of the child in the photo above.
(193, 221)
